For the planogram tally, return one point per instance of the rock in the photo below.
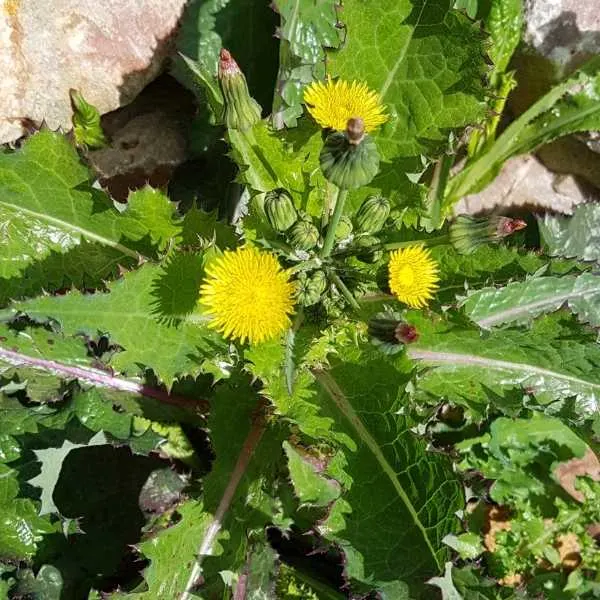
(107, 50)
(148, 139)
(524, 182)
(567, 32)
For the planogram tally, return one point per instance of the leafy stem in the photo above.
(335, 219)
(210, 535)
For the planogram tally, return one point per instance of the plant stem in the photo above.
(343, 289)
(290, 340)
(96, 377)
(335, 219)
(438, 189)
(206, 544)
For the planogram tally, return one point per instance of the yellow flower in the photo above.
(248, 295)
(413, 275)
(332, 103)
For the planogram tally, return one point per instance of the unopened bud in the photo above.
(86, 122)
(350, 159)
(468, 233)
(390, 332)
(241, 110)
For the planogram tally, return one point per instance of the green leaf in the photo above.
(219, 528)
(426, 62)
(468, 545)
(569, 107)
(86, 122)
(445, 583)
(462, 366)
(307, 28)
(357, 407)
(504, 23)
(49, 213)
(130, 313)
(47, 585)
(575, 236)
(521, 301)
(20, 527)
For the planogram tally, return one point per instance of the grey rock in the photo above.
(108, 50)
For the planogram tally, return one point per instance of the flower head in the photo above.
(248, 295)
(333, 103)
(413, 275)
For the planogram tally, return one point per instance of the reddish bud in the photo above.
(406, 333)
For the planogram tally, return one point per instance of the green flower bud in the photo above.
(372, 214)
(86, 122)
(311, 287)
(390, 332)
(241, 110)
(368, 249)
(350, 159)
(280, 210)
(303, 235)
(344, 228)
(468, 233)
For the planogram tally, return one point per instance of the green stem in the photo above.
(438, 190)
(341, 286)
(327, 206)
(290, 341)
(335, 219)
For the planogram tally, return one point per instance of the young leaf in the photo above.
(306, 29)
(504, 23)
(577, 236)
(130, 313)
(521, 301)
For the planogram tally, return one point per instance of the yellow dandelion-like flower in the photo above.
(248, 295)
(413, 275)
(332, 103)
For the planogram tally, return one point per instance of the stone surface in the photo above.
(565, 31)
(525, 183)
(107, 49)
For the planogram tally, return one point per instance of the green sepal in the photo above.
(348, 165)
(311, 287)
(372, 214)
(303, 235)
(280, 210)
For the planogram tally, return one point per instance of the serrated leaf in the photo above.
(130, 314)
(306, 29)
(521, 301)
(426, 61)
(462, 366)
(573, 237)
(378, 461)
(49, 210)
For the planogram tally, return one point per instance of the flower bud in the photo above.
(350, 159)
(311, 287)
(343, 229)
(280, 210)
(372, 214)
(303, 235)
(390, 333)
(468, 233)
(241, 110)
